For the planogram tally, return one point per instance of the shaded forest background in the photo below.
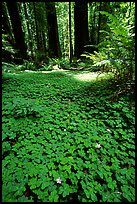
(65, 33)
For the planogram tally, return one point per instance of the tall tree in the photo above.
(104, 6)
(40, 22)
(5, 21)
(28, 29)
(36, 23)
(70, 51)
(53, 37)
(17, 28)
(99, 23)
(93, 28)
(81, 27)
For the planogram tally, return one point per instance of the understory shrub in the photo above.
(117, 51)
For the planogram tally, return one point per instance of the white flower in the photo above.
(98, 145)
(108, 130)
(59, 180)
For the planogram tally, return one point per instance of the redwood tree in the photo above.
(17, 28)
(81, 27)
(70, 38)
(54, 46)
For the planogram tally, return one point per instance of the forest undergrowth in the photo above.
(66, 140)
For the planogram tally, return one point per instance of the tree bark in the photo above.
(70, 38)
(102, 23)
(53, 37)
(99, 22)
(81, 27)
(28, 28)
(36, 23)
(17, 28)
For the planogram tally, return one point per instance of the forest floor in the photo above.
(65, 137)
(80, 75)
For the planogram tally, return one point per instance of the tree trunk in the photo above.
(28, 28)
(36, 23)
(104, 6)
(62, 42)
(99, 22)
(44, 41)
(93, 25)
(70, 39)
(17, 28)
(54, 46)
(81, 27)
(5, 20)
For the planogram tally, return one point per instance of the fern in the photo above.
(116, 52)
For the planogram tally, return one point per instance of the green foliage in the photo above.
(64, 140)
(116, 53)
(28, 65)
(61, 62)
(11, 68)
(46, 68)
(8, 67)
(6, 44)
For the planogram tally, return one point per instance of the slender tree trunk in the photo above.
(44, 42)
(28, 28)
(94, 18)
(17, 28)
(36, 23)
(5, 20)
(94, 26)
(66, 38)
(81, 27)
(104, 6)
(32, 26)
(70, 40)
(99, 22)
(54, 46)
(63, 45)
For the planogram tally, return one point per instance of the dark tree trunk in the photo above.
(5, 23)
(43, 40)
(81, 27)
(6, 27)
(54, 46)
(41, 56)
(102, 23)
(17, 28)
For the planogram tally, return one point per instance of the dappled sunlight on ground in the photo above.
(81, 76)
(90, 76)
(86, 76)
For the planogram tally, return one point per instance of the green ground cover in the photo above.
(66, 140)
